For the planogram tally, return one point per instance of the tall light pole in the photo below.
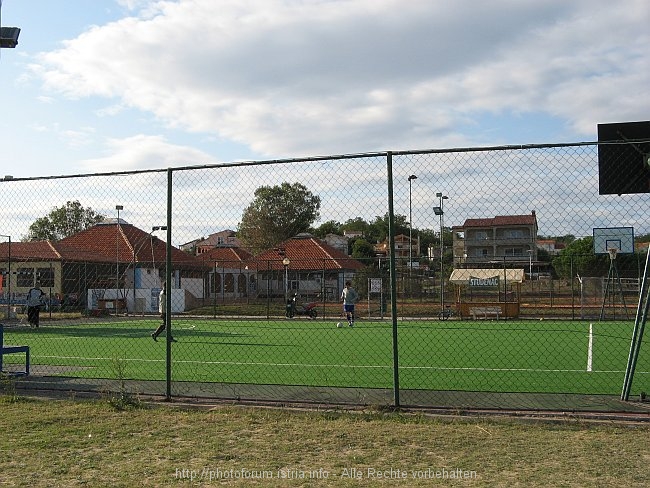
(117, 255)
(153, 258)
(440, 211)
(530, 264)
(411, 178)
(286, 263)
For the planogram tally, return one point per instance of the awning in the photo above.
(462, 276)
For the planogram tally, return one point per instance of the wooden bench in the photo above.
(7, 349)
(485, 312)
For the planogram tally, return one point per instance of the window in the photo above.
(25, 277)
(45, 276)
(514, 251)
(229, 283)
(514, 234)
(216, 283)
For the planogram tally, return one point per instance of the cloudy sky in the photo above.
(97, 85)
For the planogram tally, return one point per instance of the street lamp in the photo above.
(530, 263)
(135, 262)
(9, 36)
(153, 258)
(117, 255)
(440, 211)
(286, 263)
(410, 179)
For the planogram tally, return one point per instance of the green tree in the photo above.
(578, 255)
(378, 231)
(428, 238)
(329, 227)
(276, 214)
(363, 250)
(62, 222)
(356, 224)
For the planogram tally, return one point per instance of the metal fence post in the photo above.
(168, 279)
(393, 278)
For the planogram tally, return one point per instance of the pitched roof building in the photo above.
(104, 256)
(226, 257)
(305, 253)
(224, 238)
(312, 268)
(504, 240)
(404, 247)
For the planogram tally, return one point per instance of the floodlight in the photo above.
(9, 36)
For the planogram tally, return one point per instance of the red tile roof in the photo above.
(227, 257)
(100, 243)
(45, 251)
(107, 242)
(111, 241)
(306, 253)
(502, 220)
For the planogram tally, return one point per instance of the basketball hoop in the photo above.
(612, 253)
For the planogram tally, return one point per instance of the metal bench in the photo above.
(485, 312)
(8, 349)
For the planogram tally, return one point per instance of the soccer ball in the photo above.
(339, 325)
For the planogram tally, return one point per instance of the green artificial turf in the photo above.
(501, 356)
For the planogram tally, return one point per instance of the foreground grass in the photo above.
(89, 443)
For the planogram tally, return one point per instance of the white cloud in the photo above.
(144, 152)
(79, 137)
(289, 77)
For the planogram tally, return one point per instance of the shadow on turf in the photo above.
(185, 336)
(124, 332)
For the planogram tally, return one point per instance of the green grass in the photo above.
(501, 356)
(88, 443)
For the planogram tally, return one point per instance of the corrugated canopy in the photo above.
(462, 276)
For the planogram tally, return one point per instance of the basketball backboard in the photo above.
(619, 238)
(624, 158)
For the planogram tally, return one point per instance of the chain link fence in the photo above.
(257, 316)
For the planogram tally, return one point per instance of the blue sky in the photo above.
(111, 85)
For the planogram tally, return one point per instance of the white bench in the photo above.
(485, 312)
